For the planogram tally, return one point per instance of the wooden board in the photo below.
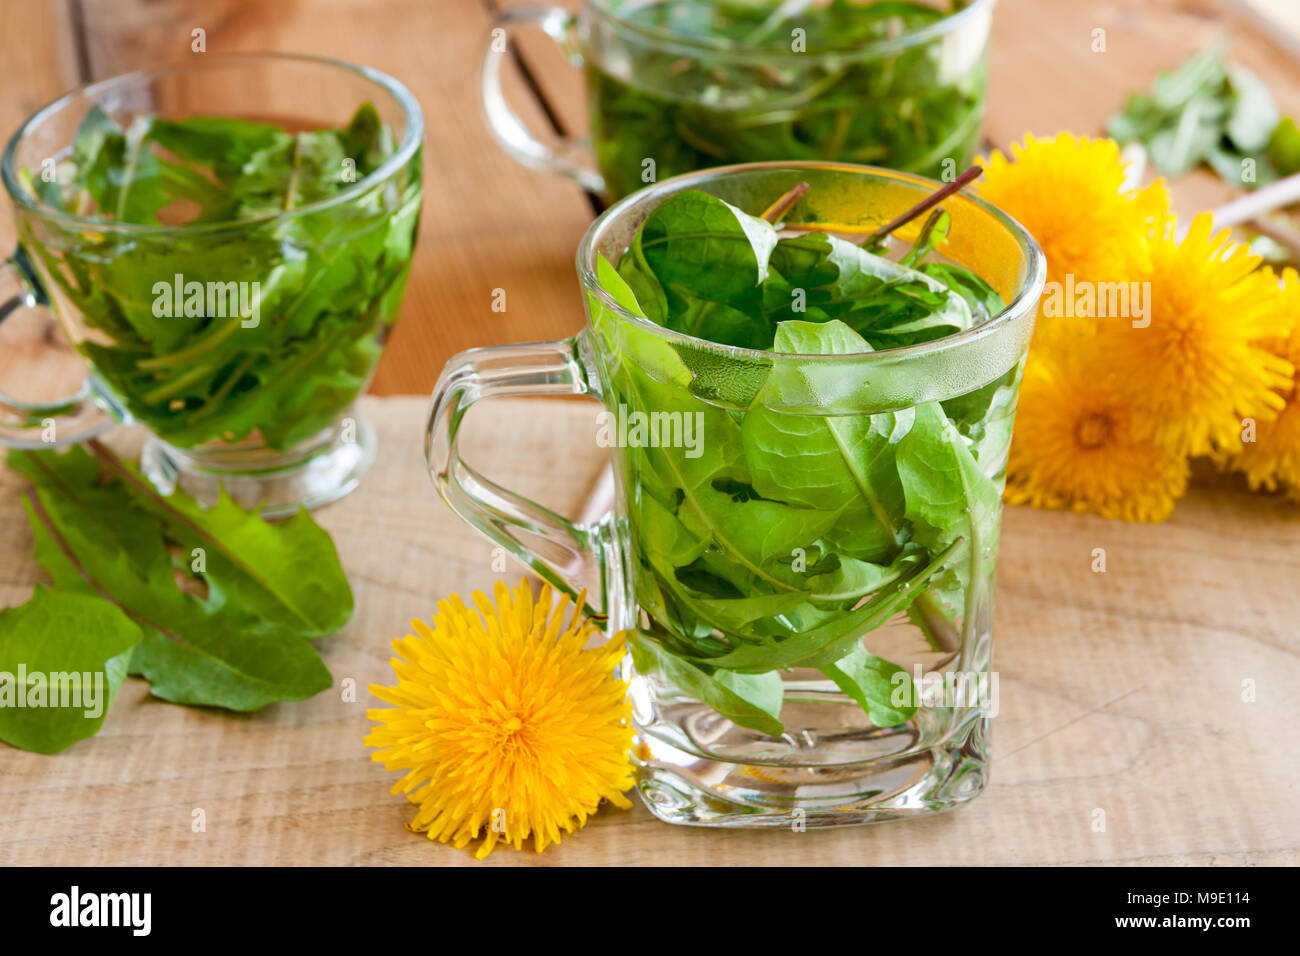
(1119, 692)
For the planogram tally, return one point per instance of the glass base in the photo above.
(319, 470)
(685, 788)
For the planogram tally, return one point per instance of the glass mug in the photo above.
(679, 85)
(736, 662)
(251, 390)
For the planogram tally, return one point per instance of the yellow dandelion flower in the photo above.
(507, 726)
(1271, 459)
(1202, 365)
(1069, 193)
(1076, 446)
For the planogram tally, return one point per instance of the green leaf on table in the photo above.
(1253, 116)
(1178, 148)
(1284, 148)
(62, 659)
(287, 572)
(1213, 112)
(238, 635)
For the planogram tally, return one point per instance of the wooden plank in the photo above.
(487, 223)
(1119, 692)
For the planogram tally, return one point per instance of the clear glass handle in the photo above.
(29, 352)
(560, 551)
(566, 156)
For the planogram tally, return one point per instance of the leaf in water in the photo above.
(951, 503)
(786, 536)
(982, 299)
(873, 682)
(888, 304)
(325, 283)
(697, 265)
(826, 462)
(823, 645)
(947, 494)
(748, 700)
(910, 108)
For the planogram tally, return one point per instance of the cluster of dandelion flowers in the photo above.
(1112, 406)
(1199, 363)
(1270, 455)
(508, 726)
(1080, 444)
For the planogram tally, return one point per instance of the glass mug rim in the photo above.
(393, 164)
(714, 47)
(1022, 305)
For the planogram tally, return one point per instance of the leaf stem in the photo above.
(929, 202)
(936, 197)
(293, 173)
(778, 209)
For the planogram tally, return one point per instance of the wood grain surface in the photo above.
(1120, 692)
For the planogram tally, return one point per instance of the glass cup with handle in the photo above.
(678, 85)
(239, 329)
(822, 650)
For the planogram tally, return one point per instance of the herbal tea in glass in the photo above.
(230, 276)
(679, 85)
(812, 420)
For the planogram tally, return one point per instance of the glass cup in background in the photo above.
(258, 403)
(679, 85)
(687, 539)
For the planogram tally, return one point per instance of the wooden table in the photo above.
(1120, 692)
